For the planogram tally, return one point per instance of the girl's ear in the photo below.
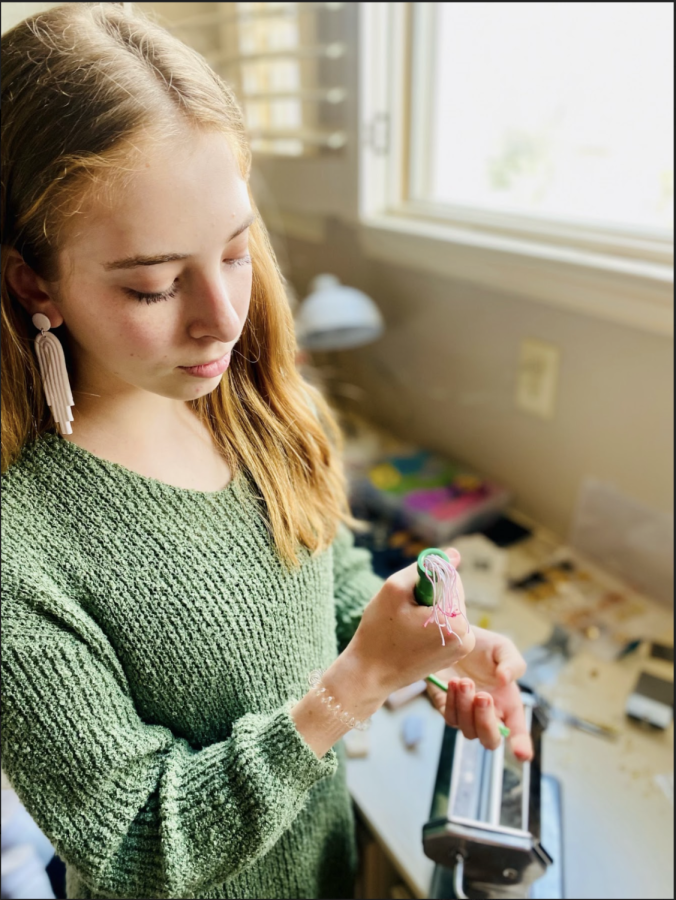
(30, 290)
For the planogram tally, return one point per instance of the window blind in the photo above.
(285, 62)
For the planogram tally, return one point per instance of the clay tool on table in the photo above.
(652, 701)
(629, 648)
(435, 588)
(586, 725)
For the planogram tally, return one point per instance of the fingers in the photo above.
(437, 696)
(515, 720)
(457, 646)
(522, 746)
(510, 665)
(464, 705)
(486, 721)
(450, 714)
(453, 555)
(474, 714)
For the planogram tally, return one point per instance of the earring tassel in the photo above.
(54, 374)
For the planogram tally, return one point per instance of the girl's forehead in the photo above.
(175, 190)
(193, 162)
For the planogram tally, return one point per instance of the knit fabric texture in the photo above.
(153, 644)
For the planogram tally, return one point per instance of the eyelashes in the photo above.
(173, 290)
(153, 298)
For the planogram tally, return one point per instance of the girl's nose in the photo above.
(214, 314)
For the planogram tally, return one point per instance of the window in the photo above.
(534, 140)
(562, 110)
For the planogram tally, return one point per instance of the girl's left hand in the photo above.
(482, 690)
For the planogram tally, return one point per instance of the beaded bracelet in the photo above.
(315, 681)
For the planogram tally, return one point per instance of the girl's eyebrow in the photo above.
(131, 262)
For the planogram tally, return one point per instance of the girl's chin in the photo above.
(196, 388)
(199, 387)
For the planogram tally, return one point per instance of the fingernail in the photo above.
(465, 686)
(483, 702)
(453, 685)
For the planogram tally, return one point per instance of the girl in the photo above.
(178, 561)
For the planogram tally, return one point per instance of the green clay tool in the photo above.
(424, 595)
(424, 589)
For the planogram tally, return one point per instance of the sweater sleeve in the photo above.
(355, 583)
(136, 810)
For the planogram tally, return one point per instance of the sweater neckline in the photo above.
(119, 469)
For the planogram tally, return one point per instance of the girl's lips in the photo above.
(210, 370)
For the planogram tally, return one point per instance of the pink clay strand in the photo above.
(446, 604)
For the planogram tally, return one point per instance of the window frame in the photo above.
(618, 274)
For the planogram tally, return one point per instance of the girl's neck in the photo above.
(170, 444)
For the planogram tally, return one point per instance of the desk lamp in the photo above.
(336, 317)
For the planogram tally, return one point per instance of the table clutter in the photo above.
(591, 605)
(587, 637)
(652, 701)
(433, 496)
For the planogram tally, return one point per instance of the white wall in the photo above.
(444, 374)
(13, 13)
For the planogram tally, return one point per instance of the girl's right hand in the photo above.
(392, 648)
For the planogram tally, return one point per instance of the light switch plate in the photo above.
(537, 378)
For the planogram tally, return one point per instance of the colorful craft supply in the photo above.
(432, 496)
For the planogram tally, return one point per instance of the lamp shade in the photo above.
(336, 317)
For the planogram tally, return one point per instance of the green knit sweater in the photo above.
(153, 645)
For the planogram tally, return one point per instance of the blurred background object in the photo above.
(285, 62)
(336, 317)
(627, 538)
(26, 853)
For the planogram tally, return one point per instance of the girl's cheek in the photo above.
(244, 294)
(129, 336)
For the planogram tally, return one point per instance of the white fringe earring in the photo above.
(54, 374)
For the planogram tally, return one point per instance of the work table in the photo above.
(617, 818)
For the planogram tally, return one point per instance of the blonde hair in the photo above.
(81, 83)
